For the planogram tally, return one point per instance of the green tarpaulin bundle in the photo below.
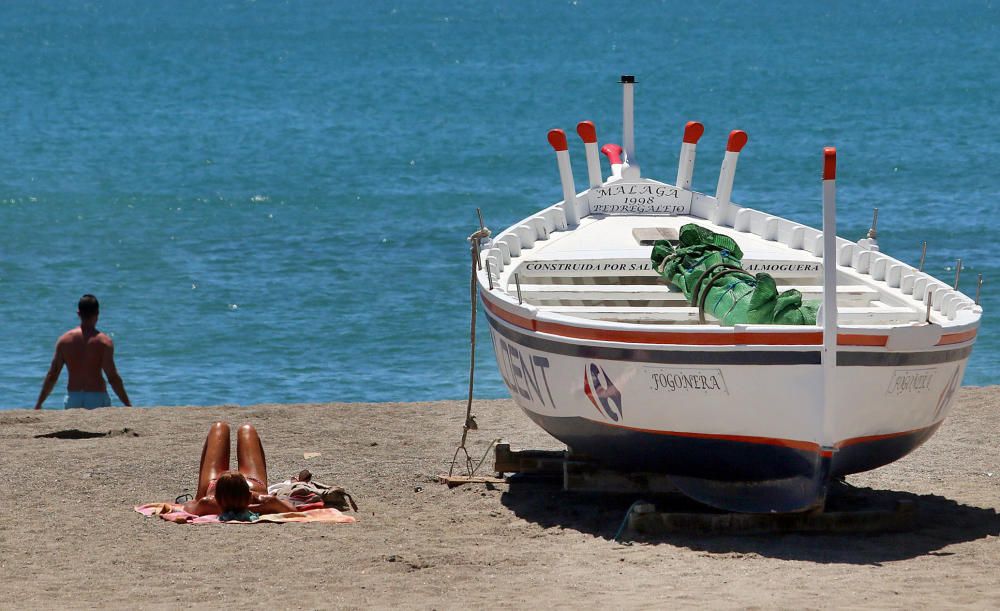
(707, 267)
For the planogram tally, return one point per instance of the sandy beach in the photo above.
(69, 536)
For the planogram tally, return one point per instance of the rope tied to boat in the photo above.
(475, 240)
(729, 290)
(717, 271)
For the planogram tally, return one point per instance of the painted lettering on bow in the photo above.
(587, 266)
(640, 198)
(782, 266)
(910, 381)
(673, 380)
(525, 374)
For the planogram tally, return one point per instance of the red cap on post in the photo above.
(613, 152)
(557, 138)
(587, 131)
(829, 163)
(737, 140)
(693, 132)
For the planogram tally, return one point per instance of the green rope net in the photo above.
(707, 267)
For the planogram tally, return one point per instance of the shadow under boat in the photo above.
(729, 474)
(938, 522)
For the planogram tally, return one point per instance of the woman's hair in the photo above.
(232, 492)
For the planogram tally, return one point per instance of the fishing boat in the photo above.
(603, 351)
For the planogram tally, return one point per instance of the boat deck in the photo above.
(564, 272)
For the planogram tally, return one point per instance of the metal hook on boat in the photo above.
(923, 255)
(870, 241)
(489, 274)
(979, 287)
(958, 273)
(517, 281)
(873, 230)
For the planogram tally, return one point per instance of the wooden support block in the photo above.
(644, 519)
(527, 461)
(578, 473)
(459, 480)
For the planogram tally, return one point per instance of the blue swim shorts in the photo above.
(87, 400)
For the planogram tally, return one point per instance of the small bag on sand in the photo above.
(301, 490)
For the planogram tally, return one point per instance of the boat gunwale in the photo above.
(957, 320)
(534, 319)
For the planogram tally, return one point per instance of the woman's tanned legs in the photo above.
(250, 458)
(214, 457)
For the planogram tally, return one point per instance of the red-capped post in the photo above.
(830, 163)
(557, 138)
(724, 190)
(588, 133)
(829, 322)
(685, 167)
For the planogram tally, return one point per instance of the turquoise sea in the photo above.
(271, 199)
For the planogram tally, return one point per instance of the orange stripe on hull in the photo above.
(735, 338)
(514, 319)
(856, 440)
(848, 339)
(805, 446)
(957, 338)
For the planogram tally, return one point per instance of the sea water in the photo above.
(271, 199)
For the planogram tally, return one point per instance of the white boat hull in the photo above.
(745, 429)
(631, 366)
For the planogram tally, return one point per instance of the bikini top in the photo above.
(243, 515)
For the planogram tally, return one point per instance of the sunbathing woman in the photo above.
(234, 495)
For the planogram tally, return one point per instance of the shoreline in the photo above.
(116, 403)
(69, 530)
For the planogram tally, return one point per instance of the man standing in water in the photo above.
(86, 352)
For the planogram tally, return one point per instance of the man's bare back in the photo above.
(87, 353)
(84, 351)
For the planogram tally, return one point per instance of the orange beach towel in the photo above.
(173, 512)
